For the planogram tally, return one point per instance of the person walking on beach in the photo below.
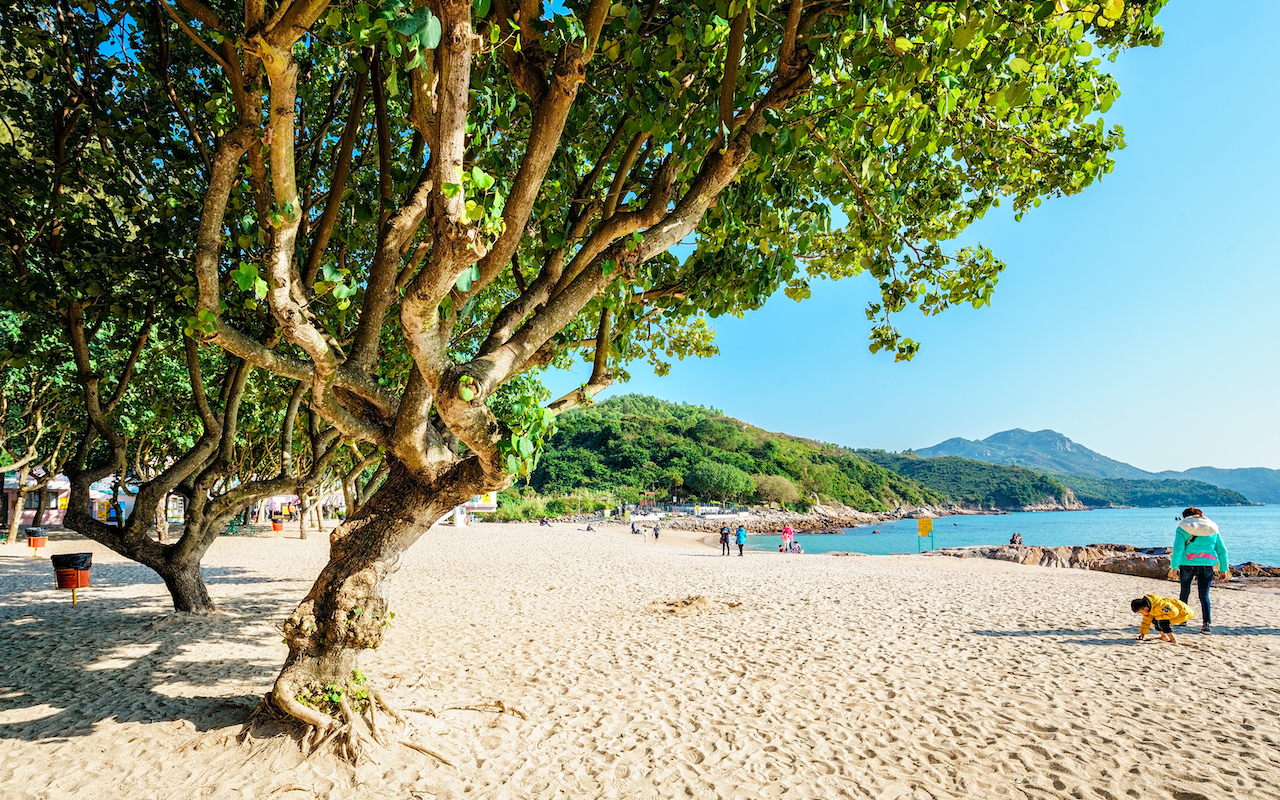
(787, 536)
(741, 538)
(724, 540)
(1198, 552)
(655, 533)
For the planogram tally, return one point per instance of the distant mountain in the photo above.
(1051, 452)
(1042, 451)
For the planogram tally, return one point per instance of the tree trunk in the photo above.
(186, 586)
(345, 612)
(349, 495)
(162, 519)
(303, 508)
(15, 518)
(42, 502)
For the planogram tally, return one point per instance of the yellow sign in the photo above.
(489, 498)
(63, 502)
(925, 527)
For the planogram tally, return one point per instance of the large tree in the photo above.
(437, 199)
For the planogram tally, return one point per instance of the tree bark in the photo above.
(15, 517)
(186, 586)
(345, 612)
(42, 502)
(162, 520)
(303, 508)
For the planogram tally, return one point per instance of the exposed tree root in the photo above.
(432, 753)
(494, 706)
(323, 741)
(348, 734)
(381, 700)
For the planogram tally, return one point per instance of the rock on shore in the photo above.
(1152, 562)
(1122, 559)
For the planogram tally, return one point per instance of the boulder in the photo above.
(1252, 569)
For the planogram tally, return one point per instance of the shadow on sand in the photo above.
(112, 657)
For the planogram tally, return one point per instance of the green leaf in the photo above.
(430, 38)
(1019, 65)
(246, 275)
(524, 446)
(481, 179)
(481, 7)
(450, 190)
(466, 393)
(464, 280)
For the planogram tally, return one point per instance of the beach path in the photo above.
(795, 676)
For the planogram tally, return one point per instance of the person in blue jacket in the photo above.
(1198, 553)
(740, 538)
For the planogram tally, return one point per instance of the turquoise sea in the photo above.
(1251, 533)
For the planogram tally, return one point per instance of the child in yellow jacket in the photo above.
(1164, 611)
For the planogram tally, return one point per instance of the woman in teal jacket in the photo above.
(740, 538)
(1197, 550)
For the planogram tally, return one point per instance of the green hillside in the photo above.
(973, 483)
(1149, 493)
(633, 443)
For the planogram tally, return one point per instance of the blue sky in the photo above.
(1139, 318)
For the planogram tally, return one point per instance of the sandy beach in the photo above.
(801, 676)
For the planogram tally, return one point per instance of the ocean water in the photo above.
(1251, 533)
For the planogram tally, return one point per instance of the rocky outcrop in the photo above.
(1150, 562)
(1122, 559)
(822, 518)
(1252, 569)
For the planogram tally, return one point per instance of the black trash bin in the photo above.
(72, 569)
(37, 537)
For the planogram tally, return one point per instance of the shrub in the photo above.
(776, 489)
(713, 479)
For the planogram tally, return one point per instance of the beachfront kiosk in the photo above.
(485, 503)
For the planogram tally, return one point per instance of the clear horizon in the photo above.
(1134, 318)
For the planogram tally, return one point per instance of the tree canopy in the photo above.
(409, 208)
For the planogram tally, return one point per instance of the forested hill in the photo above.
(631, 443)
(976, 483)
(1150, 493)
(634, 443)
